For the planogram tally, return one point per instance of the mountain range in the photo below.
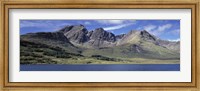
(78, 42)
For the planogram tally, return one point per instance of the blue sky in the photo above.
(163, 29)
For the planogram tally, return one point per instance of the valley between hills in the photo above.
(74, 44)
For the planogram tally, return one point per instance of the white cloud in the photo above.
(161, 29)
(175, 40)
(164, 27)
(149, 27)
(175, 32)
(43, 24)
(117, 27)
(87, 23)
(114, 22)
(157, 30)
(110, 21)
(139, 28)
(32, 24)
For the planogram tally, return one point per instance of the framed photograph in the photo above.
(100, 45)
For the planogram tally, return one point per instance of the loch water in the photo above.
(100, 67)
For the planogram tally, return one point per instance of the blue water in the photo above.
(101, 67)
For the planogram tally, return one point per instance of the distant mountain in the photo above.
(138, 44)
(175, 46)
(77, 41)
(137, 37)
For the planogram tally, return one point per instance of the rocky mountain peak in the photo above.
(101, 34)
(144, 32)
(89, 34)
(79, 28)
(135, 36)
(76, 33)
(66, 29)
(147, 36)
(120, 36)
(99, 30)
(100, 38)
(73, 27)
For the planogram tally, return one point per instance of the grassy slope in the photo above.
(150, 50)
(52, 43)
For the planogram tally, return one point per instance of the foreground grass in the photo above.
(89, 60)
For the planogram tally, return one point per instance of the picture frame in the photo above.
(156, 86)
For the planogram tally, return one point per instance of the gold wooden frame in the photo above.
(183, 86)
